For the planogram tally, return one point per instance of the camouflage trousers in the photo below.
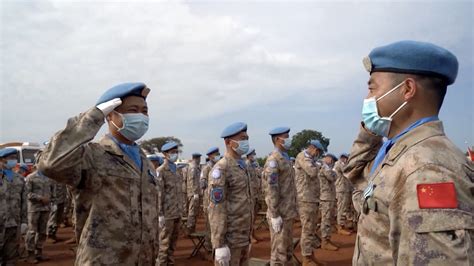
(9, 251)
(238, 257)
(207, 237)
(185, 205)
(55, 218)
(309, 239)
(192, 213)
(36, 235)
(344, 208)
(282, 244)
(327, 215)
(168, 238)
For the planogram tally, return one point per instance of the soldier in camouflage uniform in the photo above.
(280, 196)
(3, 210)
(307, 192)
(39, 190)
(415, 190)
(193, 191)
(170, 204)
(16, 206)
(344, 198)
(213, 156)
(230, 213)
(327, 179)
(255, 185)
(117, 194)
(57, 211)
(183, 171)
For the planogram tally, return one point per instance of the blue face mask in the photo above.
(380, 126)
(173, 157)
(243, 147)
(135, 125)
(10, 164)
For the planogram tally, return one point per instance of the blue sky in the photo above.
(213, 63)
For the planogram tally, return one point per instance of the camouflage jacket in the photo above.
(204, 180)
(16, 201)
(192, 182)
(230, 211)
(121, 200)
(307, 180)
(327, 179)
(38, 186)
(255, 180)
(343, 185)
(279, 186)
(171, 196)
(422, 208)
(59, 192)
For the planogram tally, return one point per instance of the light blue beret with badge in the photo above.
(233, 129)
(316, 143)
(279, 131)
(212, 150)
(169, 146)
(7, 151)
(124, 90)
(413, 57)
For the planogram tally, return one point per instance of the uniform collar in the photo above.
(112, 146)
(284, 154)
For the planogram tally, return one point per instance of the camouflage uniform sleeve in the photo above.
(433, 235)
(161, 194)
(363, 152)
(24, 205)
(328, 173)
(30, 195)
(195, 173)
(218, 206)
(309, 167)
(65, 157)
(203, 177)
(272, 180)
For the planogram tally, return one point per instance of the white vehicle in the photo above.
(26, 152)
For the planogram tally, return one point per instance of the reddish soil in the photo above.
(63, 254)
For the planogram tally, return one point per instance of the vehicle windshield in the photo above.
(29, 155)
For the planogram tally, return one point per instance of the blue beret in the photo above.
(196, 154)
(316, 143)
(234, 129)
(169, 146)
(212, 150)
(412, 57)
(156, 158)
(331, 155)
(7, 151)
(251, 151)
(279, 131)
(124, 90)
(344, 155)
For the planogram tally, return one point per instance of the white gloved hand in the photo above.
(54, 207)
(161, 221)
(196, 196)
(109, 106)
(276, 224)
(222, 256)
(23, 228)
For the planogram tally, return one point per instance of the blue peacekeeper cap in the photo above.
(196, 154)
(212, 150)
(331, 155)
(7, 151)
(169, 146)
(250, 152)
(234, 129)
(156, 158)
(344, 155)
(316, 143)
(124, 90)
(413, 57)
(279, 131)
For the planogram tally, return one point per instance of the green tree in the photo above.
(154, 144)
(301, 140)
(261, 161)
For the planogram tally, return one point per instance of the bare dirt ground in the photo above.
(63, 254)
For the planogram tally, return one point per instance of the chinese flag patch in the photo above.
(437, 196)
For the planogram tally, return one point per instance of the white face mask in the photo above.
(135, 125)
(216, 158)
(173, 157)
(286, 143)
(243, 147)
